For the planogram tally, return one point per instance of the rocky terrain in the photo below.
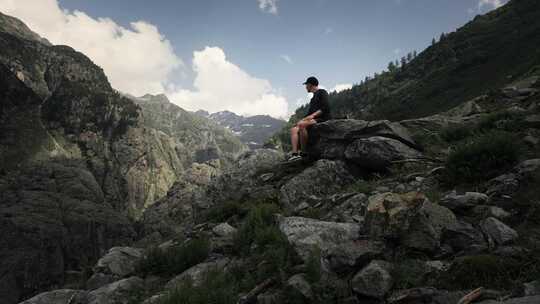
(79, 162)
(253, 131)
(438, 209)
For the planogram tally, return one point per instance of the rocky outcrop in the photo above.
(373, 145)
(322, 178)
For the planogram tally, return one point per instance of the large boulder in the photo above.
(463, 237)
(497, 232)
(119, 292)
(377, 152)
(409, 218)
(322, 178)
(307, 235)
(197, 273)
(119, 261)
(463, 202)
(346, 138)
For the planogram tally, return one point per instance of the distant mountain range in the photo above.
(252, 130)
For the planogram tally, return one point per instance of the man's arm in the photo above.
(313, 115)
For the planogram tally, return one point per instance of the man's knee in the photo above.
(294, 129)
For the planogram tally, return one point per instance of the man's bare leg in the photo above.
(294, 139)
(304, 136)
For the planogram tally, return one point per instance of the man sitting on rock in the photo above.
(319, 111)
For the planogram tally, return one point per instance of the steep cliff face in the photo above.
(198, 139)
(78, 160)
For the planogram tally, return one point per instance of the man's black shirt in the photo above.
(320, 102)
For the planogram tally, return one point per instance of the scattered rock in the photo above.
(351, 255)
(308, 234)
(119, 261)
(98, 280)
(332, 174)
(498, 231)
(483, 212)
(374, 280)
(117, 292)
(196, 273)
(462, 236)
(461, 203)
(224, 230)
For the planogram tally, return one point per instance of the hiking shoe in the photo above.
(304, 155)
(294, 156)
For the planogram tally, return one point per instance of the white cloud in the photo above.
(341, 87)
(139, 60)
(221, 85)
(287, 58)
(490, 3)
(136, 60)
(397, 51)
(269, 6)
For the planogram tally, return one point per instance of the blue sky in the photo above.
(278, 42)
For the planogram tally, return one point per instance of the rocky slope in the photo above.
(254, 131)
(79, 161)
(376, 216)
(437, 209)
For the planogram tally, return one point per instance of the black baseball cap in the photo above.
(312, 80)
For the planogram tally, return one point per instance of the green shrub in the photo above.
(260, 239)
(313, 266)
(456, 133)
(482, 158)
(504, 120)
(362, 186)
(176, 259)
(223, 212)
(216, 288)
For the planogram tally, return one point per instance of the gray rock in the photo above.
(300, 285)
(462, 236)
(224, 230)
(409, 218)
(119, 261)
(308, 234)
(497, 231)
(118, 292)
(350, 255)
(196, 274)
(98, 280)
(57, 296)
(374, 280)
(332, 174)
(463, 202)
(331, 138)
(483, 211)
(378, 153)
